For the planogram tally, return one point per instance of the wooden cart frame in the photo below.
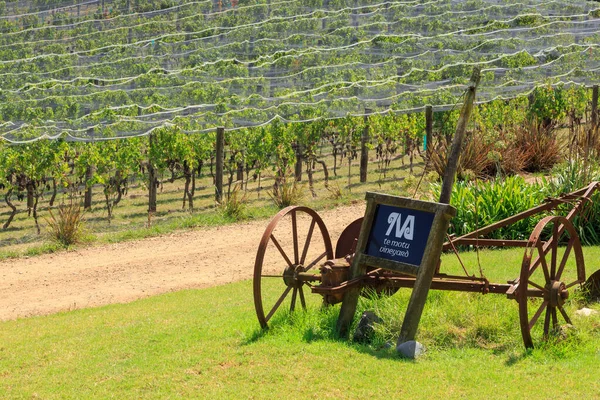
(541, 273)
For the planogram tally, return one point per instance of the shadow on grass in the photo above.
(515, 358)
(316, 326)
(308, 329)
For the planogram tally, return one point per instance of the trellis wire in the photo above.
(334, 61)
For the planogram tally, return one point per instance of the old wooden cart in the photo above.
(552, 265)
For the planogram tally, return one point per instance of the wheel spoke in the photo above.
(293, 304)
(302, 300)
(537, 314)
(547, 321)
(278, 303)
(285, 257)
(554, 256)
(554, 318)
(543, 261)
(535, 285)
(534, 265)
(564, 314)
(572, 284)
(565, 257)
(312, 264)
(307, 242)
(271, 276)
(295, 236)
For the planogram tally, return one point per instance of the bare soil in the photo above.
(127, 271)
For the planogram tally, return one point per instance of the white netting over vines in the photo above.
(94, 69)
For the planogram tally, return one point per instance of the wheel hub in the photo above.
(290, 275)
(558, 294)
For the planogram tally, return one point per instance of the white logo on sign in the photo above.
(406, 229)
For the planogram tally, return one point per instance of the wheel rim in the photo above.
(346, 242)
(548, 270)
(291, 244)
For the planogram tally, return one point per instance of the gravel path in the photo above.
(127, 271)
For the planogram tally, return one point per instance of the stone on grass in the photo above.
(411, 349)
(586, 312)
(364, 331)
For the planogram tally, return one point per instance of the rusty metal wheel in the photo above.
(550, 268)
(287, 254)
(346, 243)
(592, 286)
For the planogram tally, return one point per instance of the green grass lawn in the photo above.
(207, 344)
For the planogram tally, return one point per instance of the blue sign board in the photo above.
(399, 234)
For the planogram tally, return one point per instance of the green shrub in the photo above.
(570, 176)
(482, 203)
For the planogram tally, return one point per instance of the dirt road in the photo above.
(128, 271)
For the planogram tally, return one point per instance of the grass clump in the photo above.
(66, 224)
(235, 205)
(336, 192)
(287, 193)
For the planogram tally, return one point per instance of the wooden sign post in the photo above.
(406, 236)
(398, 234)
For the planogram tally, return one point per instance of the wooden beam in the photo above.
(438, 231)
(457, 141)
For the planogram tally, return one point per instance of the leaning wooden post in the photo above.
(364, 150)
(219, 164)
(431, 259)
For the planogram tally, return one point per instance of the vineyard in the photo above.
(130, 119)
(175, 104)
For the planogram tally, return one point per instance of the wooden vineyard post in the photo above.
(425, 274)
(152, 179)
(594, 128)
(298, 166)
(364, 150)
(594, 106)
(87, 200)
(89, 175)
(220, 145)
(152, 173)
(428, 130)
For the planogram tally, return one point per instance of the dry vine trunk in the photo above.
(12, 207)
